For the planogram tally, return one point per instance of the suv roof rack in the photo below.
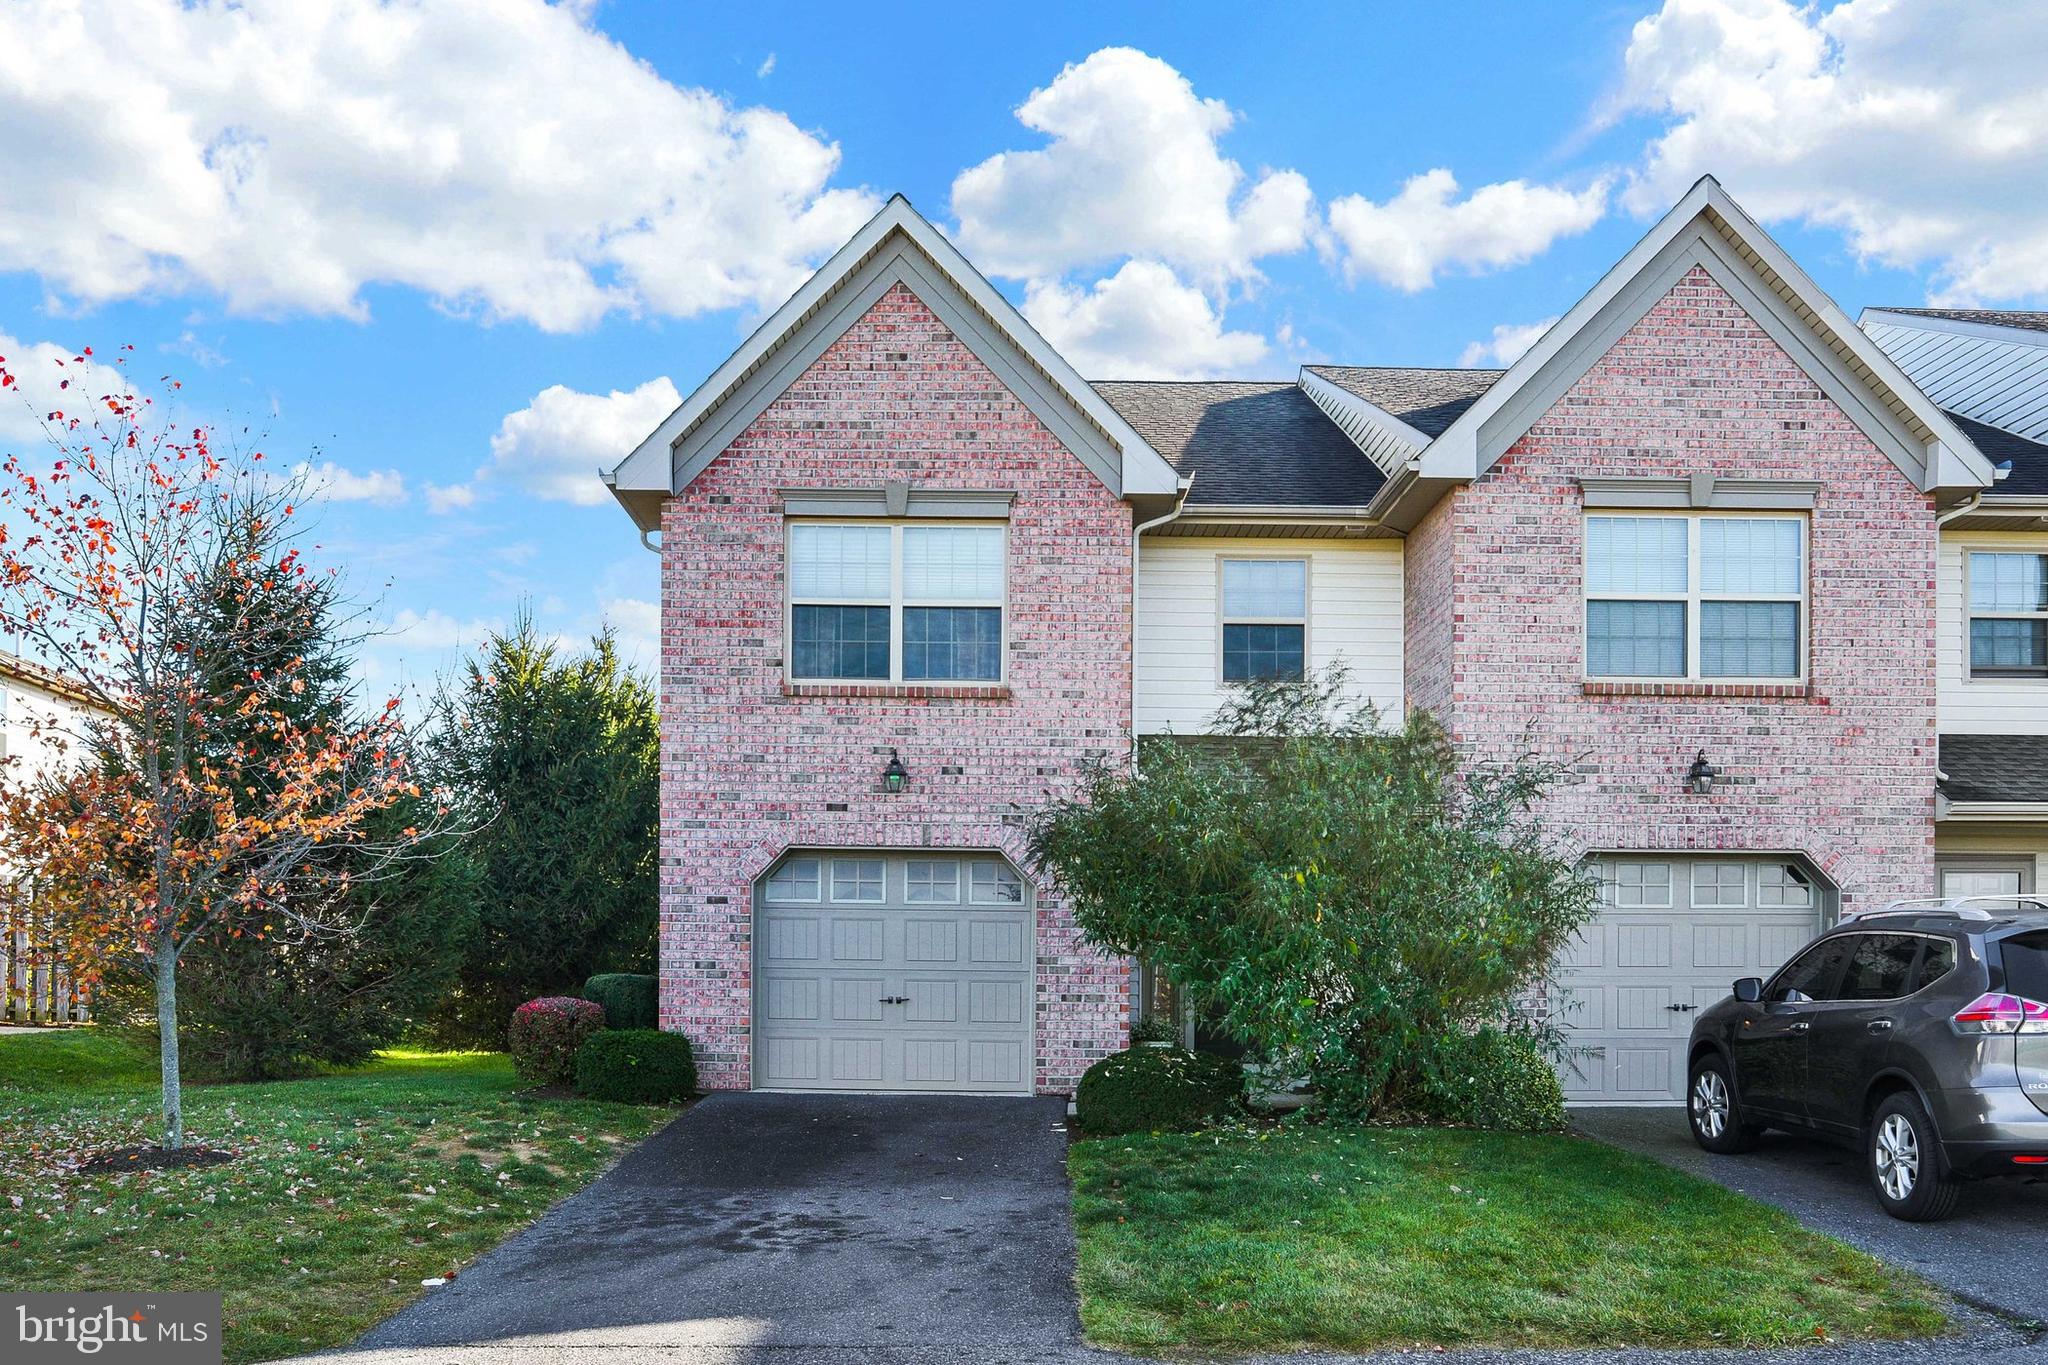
(1962, 907)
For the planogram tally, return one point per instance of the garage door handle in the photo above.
(1681, 1009)
(895, 999)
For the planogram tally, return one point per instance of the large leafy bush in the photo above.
(636, 1066)
(1341, 896)
(1492, 1078)
(1156, 1089)
(545, 1034)
(629, 998)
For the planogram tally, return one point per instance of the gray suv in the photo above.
(1918, 1033)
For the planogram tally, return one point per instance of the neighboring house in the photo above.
(42, 716)
(1990, 370)
(917, 573)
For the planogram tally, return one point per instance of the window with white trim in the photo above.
(1720, 885)
(1708, 597)
(1265, 620)
(893, 602)
(1633, 886)
(2008, 614)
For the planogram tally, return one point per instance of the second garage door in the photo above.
(890, 972)
(1673, 935)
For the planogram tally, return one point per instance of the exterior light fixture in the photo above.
(895, 777)
(1699, 778)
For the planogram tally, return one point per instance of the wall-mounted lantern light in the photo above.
(895, 777)
(1699, 778)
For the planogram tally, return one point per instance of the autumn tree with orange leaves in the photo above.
(201, 804)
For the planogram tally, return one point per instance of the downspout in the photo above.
(1179, 501)
(1139, 1002)
(1962, 509)
(647, 544)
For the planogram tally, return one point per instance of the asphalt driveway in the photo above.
(757, 1225)
(1994, 1251)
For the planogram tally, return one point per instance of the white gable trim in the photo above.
(897, 245)
(1708, 229)
(1385, 439)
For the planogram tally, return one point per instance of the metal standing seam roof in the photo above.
(1988, 317)
(1996, 768)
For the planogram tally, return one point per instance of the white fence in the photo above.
(35, 988)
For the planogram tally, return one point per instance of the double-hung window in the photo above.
(890, 602)
(1707, 597)
(2008, 614)
(1265, 620)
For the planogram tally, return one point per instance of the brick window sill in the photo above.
(1729, 691)
(914, 691)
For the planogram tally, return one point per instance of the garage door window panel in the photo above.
(1720, 886)
(795, 882)
(1705, 597)
(932, 883)
(995, 884)
(857, 881)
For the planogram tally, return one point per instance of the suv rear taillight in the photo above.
(1995, 1012)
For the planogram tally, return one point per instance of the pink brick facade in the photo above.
(750, 767)
(1844, 770)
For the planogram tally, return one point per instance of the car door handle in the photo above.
(1879, 1025)
(1803, 1026)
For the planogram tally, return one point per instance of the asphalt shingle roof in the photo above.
(1990, 317)
(2029, 458)
(1995, 767)
(1247, 443)
(1428, 400)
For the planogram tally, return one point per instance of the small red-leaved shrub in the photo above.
(545, 1034)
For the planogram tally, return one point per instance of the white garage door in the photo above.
(891, 972)
(1673, 935)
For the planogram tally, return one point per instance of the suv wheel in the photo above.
(1906, 1168)
(1716, 1114)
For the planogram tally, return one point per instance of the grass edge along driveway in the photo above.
(350, 1188)
(1305, 1237)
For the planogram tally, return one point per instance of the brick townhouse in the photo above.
(917, 573)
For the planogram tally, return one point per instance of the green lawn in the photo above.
(1350, 1239)
(350, 1189)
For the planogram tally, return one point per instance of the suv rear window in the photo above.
(2026, 964)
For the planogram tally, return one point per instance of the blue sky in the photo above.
(384, 236)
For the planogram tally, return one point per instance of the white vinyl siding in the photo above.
(1354, 604)
(2016, 705)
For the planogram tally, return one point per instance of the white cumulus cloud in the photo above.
(1132, 168)
(1426, 230)
(554, 446)
(1505, 346)
(1918, 130)
(1143, 322)
(48, 378)
(384, 487)
(503, 157)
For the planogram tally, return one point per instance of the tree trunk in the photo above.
(167, 1044)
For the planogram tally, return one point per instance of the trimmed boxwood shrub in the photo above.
(545, 1034)
(636, 1066)
(1156, 1088)
(628, 998)
(1492, 1079)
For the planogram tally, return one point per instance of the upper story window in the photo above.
(894, 602)
(2008, 615)
(1265, 620)
(1706, 597)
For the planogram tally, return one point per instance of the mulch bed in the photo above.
(153, 1159)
